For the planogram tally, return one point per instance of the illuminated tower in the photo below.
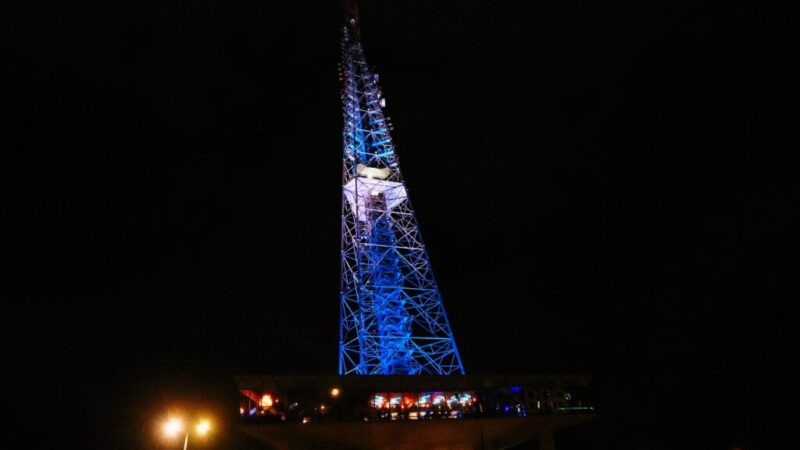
(392, 320)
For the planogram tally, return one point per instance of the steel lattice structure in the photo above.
(392, 320)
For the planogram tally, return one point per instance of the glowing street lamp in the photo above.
(174, 427)
(203, 427)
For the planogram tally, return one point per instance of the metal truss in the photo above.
(392, 320)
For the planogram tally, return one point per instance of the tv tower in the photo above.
(392, 320)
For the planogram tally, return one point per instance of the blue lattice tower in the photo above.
(392, 317)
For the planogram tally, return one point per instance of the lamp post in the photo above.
(174, 427)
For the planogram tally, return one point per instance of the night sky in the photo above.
(601, 187)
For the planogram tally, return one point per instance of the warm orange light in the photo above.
(335, 392)
(203, 427)
(266, 401)
(172, 427)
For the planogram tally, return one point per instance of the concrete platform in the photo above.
(477, 434)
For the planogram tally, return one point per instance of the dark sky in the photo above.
(601, 187)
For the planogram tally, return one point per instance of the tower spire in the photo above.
(392, 320)
(351, 11)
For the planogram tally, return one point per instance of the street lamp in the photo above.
(174, 427)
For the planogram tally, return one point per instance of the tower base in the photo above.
(411, 412)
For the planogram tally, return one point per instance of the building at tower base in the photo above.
(411, 412)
